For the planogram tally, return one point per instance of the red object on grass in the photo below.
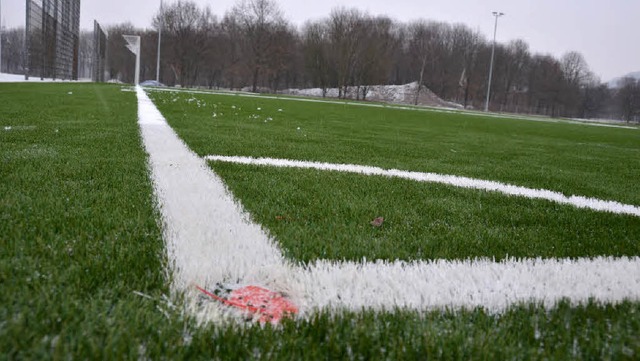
(271, 306)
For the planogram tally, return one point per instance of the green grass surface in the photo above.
(326, 215)
(570, 158)
(319, 214)
(79, 234)
(78, 229)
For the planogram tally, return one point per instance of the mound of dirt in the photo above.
(396, 94)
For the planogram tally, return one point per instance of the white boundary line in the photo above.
(391, 106)
(208, 236)
(457, 181)
(210, 239)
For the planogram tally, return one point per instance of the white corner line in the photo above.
(453, 180)
(210, 239)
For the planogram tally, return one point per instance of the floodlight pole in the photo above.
(493, 51)
(159, 41)
(27, 57)
(0, 36)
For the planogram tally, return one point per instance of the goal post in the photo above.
(133, 44)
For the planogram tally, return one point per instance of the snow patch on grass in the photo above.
(19, 78)
(18, 127)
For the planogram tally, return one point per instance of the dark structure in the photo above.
(52, 38)
(99, 53)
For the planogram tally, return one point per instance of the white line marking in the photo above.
(470, 283)
(210, 239)
(457, 181)
(399, 107)
(208, 236)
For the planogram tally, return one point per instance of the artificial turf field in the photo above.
(82, 241)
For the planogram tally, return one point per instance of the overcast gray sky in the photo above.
(606, 32)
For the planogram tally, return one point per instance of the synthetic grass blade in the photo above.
(268, 305)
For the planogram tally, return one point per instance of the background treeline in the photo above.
(253, 46)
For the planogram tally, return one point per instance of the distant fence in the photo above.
(52, 38)
(99, 53)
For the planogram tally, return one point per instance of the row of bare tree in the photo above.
(254, 46)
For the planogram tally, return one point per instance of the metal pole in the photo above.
(493, 51)
(0, 36)
(159, 41)
(26, 42)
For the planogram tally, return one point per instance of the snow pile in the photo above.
(397, 94)
(19, 78)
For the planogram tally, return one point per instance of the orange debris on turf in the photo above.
(269, 305)
(377, 222)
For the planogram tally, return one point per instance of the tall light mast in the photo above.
(159, 41)
(493, 51)
(0, 36)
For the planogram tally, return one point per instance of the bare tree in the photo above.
(546, 85)
(185, 33)
(316, 47)
(233, 50)
(13, 51)
(596, 101)
(280, 65)
(345, 32)
(628, 98)
(374, 56)
(422, 38)
(574, 68)
(216, 55)
(259, 21)
(466, 45)
(514, 74)
(576, 76)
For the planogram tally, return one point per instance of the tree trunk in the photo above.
(254, 81)
(424, 62)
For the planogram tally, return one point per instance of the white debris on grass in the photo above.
(19, 127)
(453, 180)
(210, 240)
(508, 117)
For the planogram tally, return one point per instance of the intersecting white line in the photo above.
(457, 181)
(210, 239)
